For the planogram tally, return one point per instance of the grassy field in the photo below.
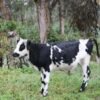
(24, 84)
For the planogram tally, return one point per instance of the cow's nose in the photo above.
(15, 55)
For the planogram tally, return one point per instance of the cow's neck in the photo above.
(34, 54)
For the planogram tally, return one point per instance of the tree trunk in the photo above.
(43, 19)
(98, 2)
(5, 9)
(61, 16)
(52, 5)
(98, 21)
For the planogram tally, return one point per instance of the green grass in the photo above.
(24, 84)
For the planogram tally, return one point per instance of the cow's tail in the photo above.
(97, 50)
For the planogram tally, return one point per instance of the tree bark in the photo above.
(43, 19)
(52, 5)
(62, 16)
(6, 12)
(98, 2)
(98, 12)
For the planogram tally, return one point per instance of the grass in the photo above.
(24, 84)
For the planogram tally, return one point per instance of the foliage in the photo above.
(28, 31)
(4, 44)
(31, 31)
(70, 33)
(53, 37)
(25, 31)
(24, 84)
(7, 25)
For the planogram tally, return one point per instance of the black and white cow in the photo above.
(64, 55)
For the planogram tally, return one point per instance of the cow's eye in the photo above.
(22, 47)
(17, 41)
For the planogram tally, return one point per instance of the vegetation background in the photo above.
(46, 21)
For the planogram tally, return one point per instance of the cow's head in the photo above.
(21, 50)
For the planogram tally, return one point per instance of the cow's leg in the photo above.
(44, 80)
(86, 73)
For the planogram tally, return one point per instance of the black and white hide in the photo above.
(63, 55)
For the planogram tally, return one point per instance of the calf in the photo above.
(63, 55)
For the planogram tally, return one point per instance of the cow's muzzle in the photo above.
(15, 55)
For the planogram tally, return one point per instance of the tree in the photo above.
(52, 5)
(5, 10)
(43, 19)
(98, 4)
(62, 15)
(84, 14)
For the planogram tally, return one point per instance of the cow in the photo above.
(60, 55)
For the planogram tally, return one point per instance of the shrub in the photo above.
(7, 25)
(29, 32)
(4, 44)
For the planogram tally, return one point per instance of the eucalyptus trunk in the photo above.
(62, 16)
(43, 19)
(5, 10)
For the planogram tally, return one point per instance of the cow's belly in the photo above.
(66, 66)
(62, 66)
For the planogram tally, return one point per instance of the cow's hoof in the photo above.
(41, 91)
(45, 94)
(81, 90)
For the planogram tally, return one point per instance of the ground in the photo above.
(24, 84)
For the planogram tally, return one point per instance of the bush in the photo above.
(25, 31)
(7, 25)
(70, 33)
(4, 44)
(29, 32)
(53, 37)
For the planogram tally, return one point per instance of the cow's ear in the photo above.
(18, 39)
(28, 44)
